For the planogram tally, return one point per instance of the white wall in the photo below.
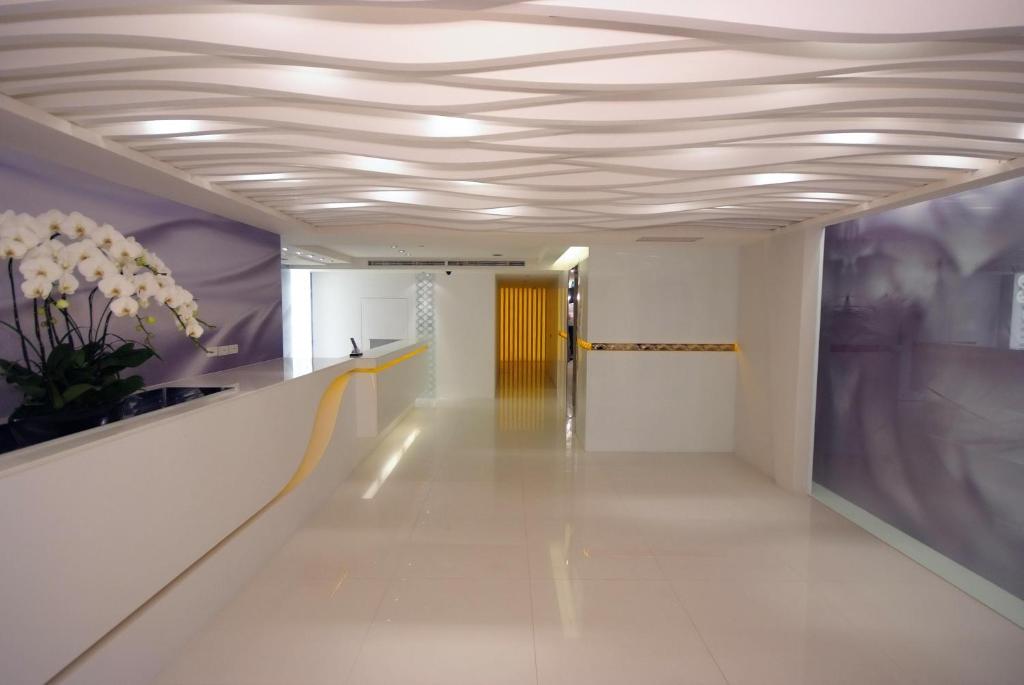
(779, 296)
(659, 401)
(465, 328)
(674, 294)
(297, 313)
(338, 300)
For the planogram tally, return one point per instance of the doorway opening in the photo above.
(527, 335)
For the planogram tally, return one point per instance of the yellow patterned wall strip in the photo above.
(657, 347)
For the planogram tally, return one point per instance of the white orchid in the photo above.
(193, 329)
(124, 306)
(78, 226)
(146, 285)
(96, 267)
(50, 247)
(106, 236)
(40, 268)
(116, 285)
(157, 264)
(125, 251)
(12, 249)
(36, 288)
(25, 234)
(75, 253)
(48, 250)
(67, 284)
(50, 223)
(172, 297)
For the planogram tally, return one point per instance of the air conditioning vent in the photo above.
(405, 262)
(485, 262)
(666, 239)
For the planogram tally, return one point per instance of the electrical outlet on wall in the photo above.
(221, 350)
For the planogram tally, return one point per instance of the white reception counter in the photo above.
(120, 541)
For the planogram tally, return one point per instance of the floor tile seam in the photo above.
(529, 583)
(698, 631)
(851, 623)
(388, 582)
(354, 662)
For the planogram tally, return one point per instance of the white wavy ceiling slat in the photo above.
(553, 116)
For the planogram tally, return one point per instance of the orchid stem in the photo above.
(17, 318)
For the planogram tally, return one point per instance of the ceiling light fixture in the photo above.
(377, 164)
(774, 177)
(166, 127)
(570, 258)
(851, 138)
(202, 138)
(261, 177)
(452, 127)
(340, 205)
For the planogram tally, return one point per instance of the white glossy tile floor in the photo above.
(492, 553)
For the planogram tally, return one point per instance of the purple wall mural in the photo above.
(920, 414)
(233, 269)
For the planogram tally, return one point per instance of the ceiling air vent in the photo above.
(666, 239)
(405, 262)
(486, 262)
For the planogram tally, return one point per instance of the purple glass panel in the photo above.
(233, 269)
(920, 413)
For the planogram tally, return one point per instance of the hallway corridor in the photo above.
(467, 550)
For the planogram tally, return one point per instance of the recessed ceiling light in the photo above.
(376, 164)
(339, 205)
(163, 127)
(775, 177)
(452, 127)
(851, 138)
(261, 177)
(206, 137)
(570, 258)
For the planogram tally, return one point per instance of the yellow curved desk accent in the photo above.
(323, 429)
(324, 421)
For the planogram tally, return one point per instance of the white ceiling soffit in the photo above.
(547, 117)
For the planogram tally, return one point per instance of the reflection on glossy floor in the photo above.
(464, 553)
(524, 392)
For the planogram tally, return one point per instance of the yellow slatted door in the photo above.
(525, 324)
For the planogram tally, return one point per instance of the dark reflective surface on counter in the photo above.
(136, 405)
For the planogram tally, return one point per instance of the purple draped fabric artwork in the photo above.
(920, 411)
(232, 268)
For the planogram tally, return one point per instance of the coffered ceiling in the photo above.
(567, 119)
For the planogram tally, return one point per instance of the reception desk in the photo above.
(119, 542)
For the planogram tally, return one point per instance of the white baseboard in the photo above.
(985, 591)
